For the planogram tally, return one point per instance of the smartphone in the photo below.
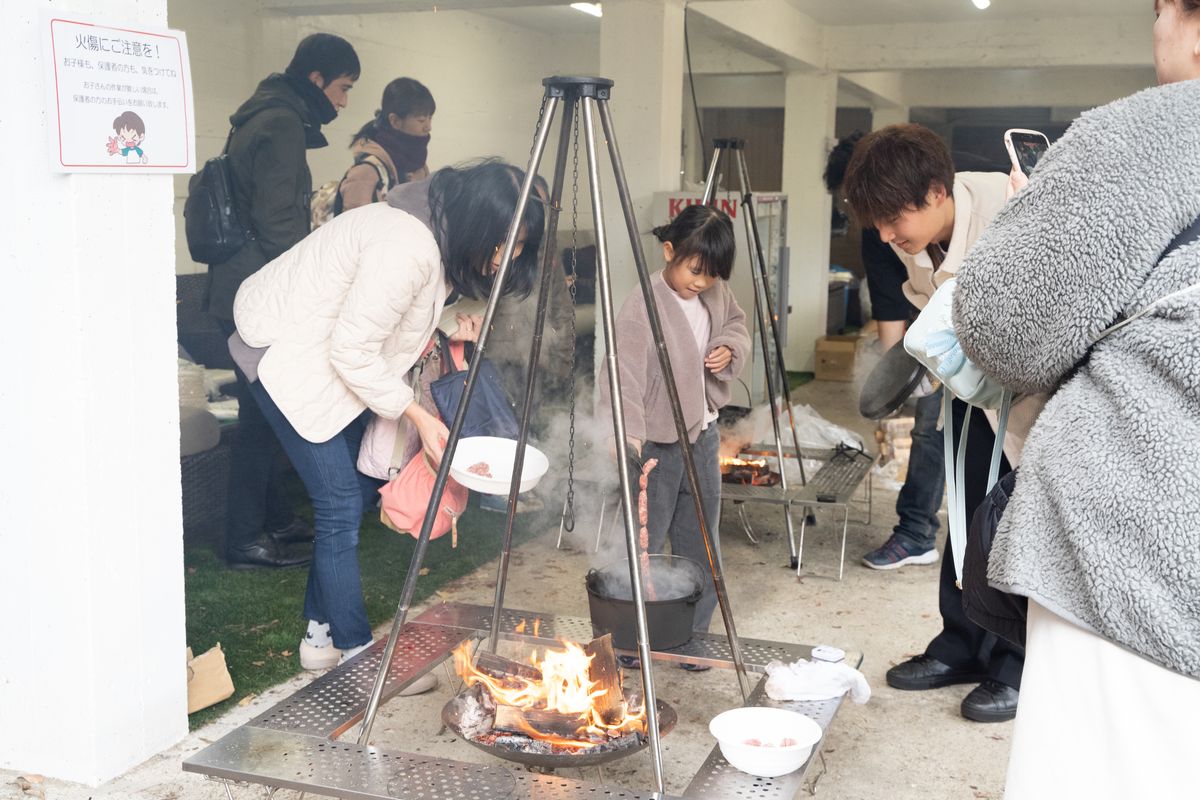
(1025, 147)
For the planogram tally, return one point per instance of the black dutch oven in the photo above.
(678, 584)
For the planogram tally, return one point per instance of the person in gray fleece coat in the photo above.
(1102, 533)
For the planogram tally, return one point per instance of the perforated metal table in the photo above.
(293, 744)
(833, 485)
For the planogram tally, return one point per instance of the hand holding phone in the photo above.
(1025, 148)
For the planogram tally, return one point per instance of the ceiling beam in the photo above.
(1002, 43)
(305, 8)
(983, 88)
(772, 30)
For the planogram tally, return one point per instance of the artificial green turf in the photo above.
(798, 379)
(256, 615)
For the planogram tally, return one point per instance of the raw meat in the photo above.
(643, 531)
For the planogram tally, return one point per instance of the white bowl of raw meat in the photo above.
(767, 742)
(485, 464)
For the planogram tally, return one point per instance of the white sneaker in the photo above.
(353, 651)
(318, 658)
(426, 683)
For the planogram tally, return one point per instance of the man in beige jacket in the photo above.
(901, 180)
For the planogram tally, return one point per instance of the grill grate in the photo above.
(306, 763)
(333, 702)
(289, 745)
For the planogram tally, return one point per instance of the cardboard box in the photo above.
(208, 680)
(835, 357)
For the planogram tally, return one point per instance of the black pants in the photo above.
(962, 644)
(255, 502)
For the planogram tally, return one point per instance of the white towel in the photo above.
(815, 680)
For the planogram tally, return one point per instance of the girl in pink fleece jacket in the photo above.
(707, 340)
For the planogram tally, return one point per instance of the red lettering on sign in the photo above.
(678, 204)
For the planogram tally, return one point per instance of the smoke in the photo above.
(671, 578)
(593, 475)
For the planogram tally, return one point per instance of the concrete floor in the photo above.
(898, 745)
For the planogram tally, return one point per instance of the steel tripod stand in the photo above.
(580, 98)
(768, 320)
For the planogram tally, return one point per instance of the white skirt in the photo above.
(1096, 721)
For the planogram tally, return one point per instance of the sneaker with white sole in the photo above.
(426, 683)
(895, 553)
(318, 658)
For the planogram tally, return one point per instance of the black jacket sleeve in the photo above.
(281, 183)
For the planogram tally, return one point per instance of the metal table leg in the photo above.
(741, 509)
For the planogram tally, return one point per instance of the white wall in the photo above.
(92, 675)
(484, 73)
(224, 37)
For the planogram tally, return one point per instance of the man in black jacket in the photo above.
(272, 184)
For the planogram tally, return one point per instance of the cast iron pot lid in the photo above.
(894, 378)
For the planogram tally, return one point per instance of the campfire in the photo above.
(752, 472)
(561, 707)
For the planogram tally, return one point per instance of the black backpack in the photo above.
(214, 232)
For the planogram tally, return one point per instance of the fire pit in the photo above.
(565, 709)
(749, 472)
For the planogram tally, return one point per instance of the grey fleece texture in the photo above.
(1104, 526)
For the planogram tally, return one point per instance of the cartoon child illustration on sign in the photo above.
(131, 132)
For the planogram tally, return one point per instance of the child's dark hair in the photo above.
(895, 168)
(705, 232)
(403, 97)
(471, 207)
(330, 55)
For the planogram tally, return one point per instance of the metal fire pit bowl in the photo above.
(666, 723)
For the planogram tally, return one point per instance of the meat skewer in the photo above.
(643, 531)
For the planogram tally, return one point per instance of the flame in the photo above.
(564, 688)
(523, 624)
(739, 462)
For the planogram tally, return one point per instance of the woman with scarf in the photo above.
(392, 147)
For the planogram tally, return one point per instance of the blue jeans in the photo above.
(338, 492)
(920, 498)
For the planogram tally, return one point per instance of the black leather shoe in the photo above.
(264, 554)
(991, 701)
(295, 532)
(925, 672)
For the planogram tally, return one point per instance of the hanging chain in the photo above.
(537, 129)
(569, 512)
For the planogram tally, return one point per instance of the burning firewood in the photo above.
(539, 721)
(571, 697)
(604, 673)
(500, 667)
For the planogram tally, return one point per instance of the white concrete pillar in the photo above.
(810, 107)
(641, 49)
(883, 116)
(92, 670)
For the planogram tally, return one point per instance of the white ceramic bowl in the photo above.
(499, 455)
(738, 726)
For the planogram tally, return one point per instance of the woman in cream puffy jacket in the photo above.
(330, 330)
